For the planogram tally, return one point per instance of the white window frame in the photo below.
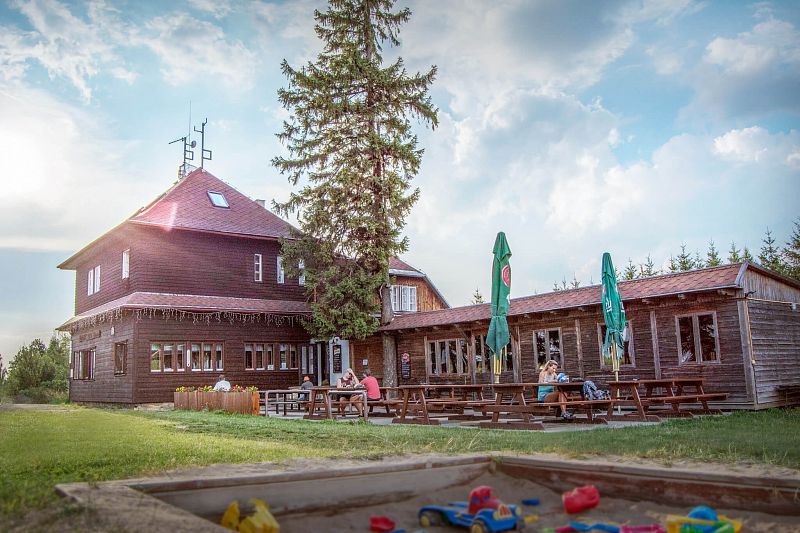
(548, 355)
(126, 263)
(698, 355)
(97, 279)
(90, 284)
(257, 270)
(628, 337)
(443, 364)
(302, 279)
(281, 275)
(404, 298)
(224, 201)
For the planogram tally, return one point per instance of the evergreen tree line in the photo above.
(783, 260)
(39, 373)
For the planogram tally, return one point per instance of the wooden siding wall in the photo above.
(726, 375)
(182, 262)
(158, 387)
(139, 385)
(106, 387)
(370, 349)
(775, 334)
(427, 299)
(768, 288)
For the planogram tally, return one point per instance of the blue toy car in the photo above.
(482, 514)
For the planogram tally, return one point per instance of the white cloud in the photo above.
(755, 73)
(217, 8)
(56, 157)
(191, 49)
(755, 144)
(65, 45)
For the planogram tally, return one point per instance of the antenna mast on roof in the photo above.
(188, 155)
(203, 151)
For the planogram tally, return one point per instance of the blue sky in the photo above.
(575, 127)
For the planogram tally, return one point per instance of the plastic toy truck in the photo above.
(481, 514)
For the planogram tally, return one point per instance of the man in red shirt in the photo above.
(371, 384)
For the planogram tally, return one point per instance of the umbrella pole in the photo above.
(615, 365)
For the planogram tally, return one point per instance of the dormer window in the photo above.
(217, 199)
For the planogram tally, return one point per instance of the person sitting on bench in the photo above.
(548, 393)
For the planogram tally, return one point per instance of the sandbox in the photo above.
(343, 499)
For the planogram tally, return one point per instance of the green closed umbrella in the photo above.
(614, 315)
(498, 335)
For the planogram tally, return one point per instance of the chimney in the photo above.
(262, 203)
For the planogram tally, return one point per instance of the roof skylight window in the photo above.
(217, 199)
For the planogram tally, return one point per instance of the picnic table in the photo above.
(668, 391)
(522, 413)
(421, 401)
(283, 397)
(322, 398)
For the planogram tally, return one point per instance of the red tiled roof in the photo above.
(193, 302)
(187, 206)
(681, 282)
(396, 263)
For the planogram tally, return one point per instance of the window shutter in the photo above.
(412, 299)
(97, 278)
(280, 270)
(404, 298)
(90, 287)
(395, 299)
(257, 267)
(302, 279)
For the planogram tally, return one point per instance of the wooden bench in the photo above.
(550, 408)
(676, 400)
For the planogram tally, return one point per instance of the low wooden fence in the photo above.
(232, 402)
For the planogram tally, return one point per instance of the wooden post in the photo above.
(580, 346)
(654, 339)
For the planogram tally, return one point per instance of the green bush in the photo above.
(40, 373)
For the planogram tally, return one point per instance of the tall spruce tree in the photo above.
(630, 270)
(477, 297)
(648, 268)
(746, 255)
(575, 283)
(770, 256)
(734, 255)
(712, 255)
(673, 265)
(791, 253)
(685, 260)
(350, 137)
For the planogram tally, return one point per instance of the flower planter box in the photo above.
(232, 402)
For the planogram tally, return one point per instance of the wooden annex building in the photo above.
(191, 286)
(737, 326)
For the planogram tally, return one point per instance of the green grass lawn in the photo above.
(41, 448)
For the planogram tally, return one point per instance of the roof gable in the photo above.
(187, 206)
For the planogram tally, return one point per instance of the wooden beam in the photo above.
(654, 339)
(580, 347)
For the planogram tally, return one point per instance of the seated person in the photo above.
(548, 393)
(347, 381)
(304, 396)
(373, 390)
(222, 384)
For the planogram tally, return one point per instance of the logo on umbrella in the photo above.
(507, 276)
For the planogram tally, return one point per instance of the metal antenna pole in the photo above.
(203, 151)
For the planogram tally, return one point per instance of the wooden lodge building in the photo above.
(192, 286)
(737, 326)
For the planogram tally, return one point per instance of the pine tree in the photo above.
(712, 256)
(574, 284)
(791, 253)
(685, 261)
(630, 270)
(350, 137)
(3, 371)
(734, 255)
(746, 255)
(770, 256)
(648, 268)
(556, 288)
(564, 285)
(477, 297)
(673, 266)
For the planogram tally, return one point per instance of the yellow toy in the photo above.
(261, 521)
